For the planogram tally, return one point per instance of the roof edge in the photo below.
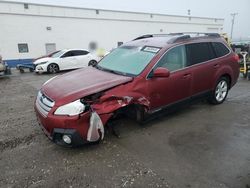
(121, 11)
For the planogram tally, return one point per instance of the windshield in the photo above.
(58, 54)
(128, 60)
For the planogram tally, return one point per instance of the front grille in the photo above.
(44, 104)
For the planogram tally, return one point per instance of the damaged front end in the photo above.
(96, 128)
(84, 120)
(103, 107)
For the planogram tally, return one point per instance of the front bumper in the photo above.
(82, 129)
(41, 68)
(76, 139)
(55, 127)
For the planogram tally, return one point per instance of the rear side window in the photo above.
(80, 52)
(69, 54)
(220, 49)
(75, 53)
(199, 52)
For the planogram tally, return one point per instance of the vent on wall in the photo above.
(26, 6)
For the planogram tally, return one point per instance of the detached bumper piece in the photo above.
(67, 137)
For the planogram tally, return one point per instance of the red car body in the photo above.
(105, 93)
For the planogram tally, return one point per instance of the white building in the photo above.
(30, 30)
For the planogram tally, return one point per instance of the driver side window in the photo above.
(174, 59)
(68, 54)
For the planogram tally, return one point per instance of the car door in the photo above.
(68, 60)
(201, 58)
(175, 88)
(82, 59)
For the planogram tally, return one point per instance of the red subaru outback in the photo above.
(148, 74)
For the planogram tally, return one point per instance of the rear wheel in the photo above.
(93, 63)
(53, 68)
(220, 92)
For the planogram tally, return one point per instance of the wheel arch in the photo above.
(225, 72)
(229, 78)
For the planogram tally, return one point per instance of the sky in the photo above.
(201, 8)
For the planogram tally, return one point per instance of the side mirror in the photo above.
(161, 72)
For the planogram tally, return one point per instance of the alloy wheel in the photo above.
(221, 90)
(53, 68)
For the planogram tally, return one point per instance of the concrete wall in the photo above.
(70, 27)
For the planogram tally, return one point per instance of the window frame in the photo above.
(19, 47)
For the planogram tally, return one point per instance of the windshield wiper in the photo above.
(112, 71)
(117, 72)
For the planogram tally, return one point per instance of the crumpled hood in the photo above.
(80, 83)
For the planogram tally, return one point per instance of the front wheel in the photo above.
(220, 92)
(53, 68)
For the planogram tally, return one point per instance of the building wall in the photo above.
(69, 27)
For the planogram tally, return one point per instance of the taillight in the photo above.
(236, 58)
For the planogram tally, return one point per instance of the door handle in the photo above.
(187, 75)
(216, 65)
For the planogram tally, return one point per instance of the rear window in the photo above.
(199, 52)
(220, 49)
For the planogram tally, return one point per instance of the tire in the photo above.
(53, 68)
(92, 63)
(7, 71)
(140, 114)
(219, 94)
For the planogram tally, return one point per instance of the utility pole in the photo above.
(189, 14)
(232, 27)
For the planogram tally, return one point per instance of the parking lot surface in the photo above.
(198, 146)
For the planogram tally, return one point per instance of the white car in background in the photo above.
(65, 60)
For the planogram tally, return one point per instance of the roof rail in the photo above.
(198, 34)
(143, 37)
(151, 35)
(179, 38)
(176, 37)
